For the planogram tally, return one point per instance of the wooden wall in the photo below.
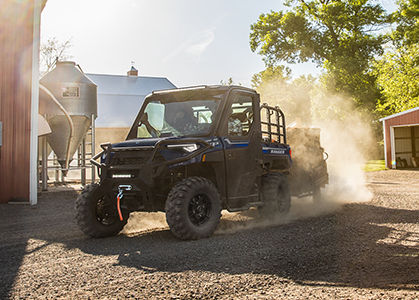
(16, 37)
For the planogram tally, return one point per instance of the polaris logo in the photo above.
(277, 151)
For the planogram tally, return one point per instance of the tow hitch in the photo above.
(121, 190)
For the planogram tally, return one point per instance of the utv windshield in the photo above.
(188, 117)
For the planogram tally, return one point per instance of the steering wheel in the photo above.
(250, 117)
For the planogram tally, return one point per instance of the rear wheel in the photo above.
(96, 215)
(275, 195)
(193, 208)
(317, 195)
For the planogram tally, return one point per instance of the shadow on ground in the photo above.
(357, 246)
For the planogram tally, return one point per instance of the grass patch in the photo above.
(375, 165)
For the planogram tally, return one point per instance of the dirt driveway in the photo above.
(365, 250)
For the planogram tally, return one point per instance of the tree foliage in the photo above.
(52, 51)
(229, 81)
(397, 70)
(342, 36)
(407, 19)
(271, 73)
(398, 77)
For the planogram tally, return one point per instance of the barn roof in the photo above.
(400, 114)
(129, 85)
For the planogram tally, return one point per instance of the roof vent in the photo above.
(132, 72)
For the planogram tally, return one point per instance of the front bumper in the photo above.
(145, 163)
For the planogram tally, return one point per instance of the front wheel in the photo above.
(193, 208)
(96, 215)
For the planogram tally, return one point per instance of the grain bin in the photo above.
(68, 101)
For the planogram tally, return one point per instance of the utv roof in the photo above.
(203, 87)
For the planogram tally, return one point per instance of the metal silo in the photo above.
(68, 101)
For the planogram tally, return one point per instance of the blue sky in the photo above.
(188, 41)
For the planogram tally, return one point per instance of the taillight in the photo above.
(290, 153)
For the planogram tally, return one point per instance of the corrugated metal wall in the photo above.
(406, 119)
(16, 36)
(403, 143)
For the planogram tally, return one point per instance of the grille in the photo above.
(130, 158)
(135, 158)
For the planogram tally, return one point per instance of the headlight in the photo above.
(185, 147)
(190, 148)
(121, 176)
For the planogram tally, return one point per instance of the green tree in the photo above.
(271, 73)
(398, 77)
(398, 70)
(341, 36)
(229, 81)
(407, 19)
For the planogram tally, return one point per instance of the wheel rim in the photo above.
(199, 209)
(105, 214)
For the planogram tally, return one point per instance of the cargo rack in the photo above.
(274, 123)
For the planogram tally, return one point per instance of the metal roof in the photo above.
(399, 114)
(129, 85)
(119, 97)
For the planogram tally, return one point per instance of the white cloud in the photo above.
(197, 47)
(194, 46)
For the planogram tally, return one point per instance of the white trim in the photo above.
(392, 149)
(399, 114)
(406, 125)
(235, 142)
(33, 167)
(174, 146)
(385, 144)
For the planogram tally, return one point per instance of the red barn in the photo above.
(401, 139)
(19, 77)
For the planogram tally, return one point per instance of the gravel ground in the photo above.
(364, 250)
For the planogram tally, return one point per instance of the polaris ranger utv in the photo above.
(191, 152)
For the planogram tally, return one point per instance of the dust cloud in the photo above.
(346, 136)
(345, 133)
(145, 222)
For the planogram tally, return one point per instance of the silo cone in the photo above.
(68, 99)
(61, 132)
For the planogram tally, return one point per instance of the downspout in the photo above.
(33, 143)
